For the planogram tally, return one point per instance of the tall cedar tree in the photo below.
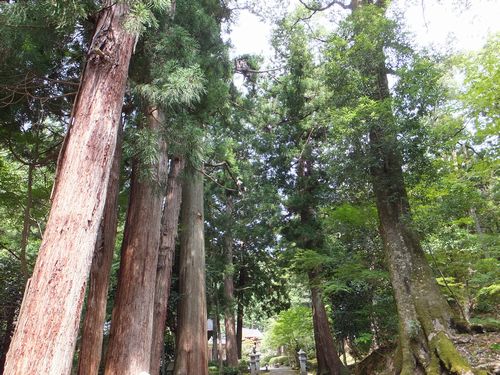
(130, 342)
(229, 322)
(46, 331)
(191, 339)
(166, 252)
(89, 357)
(203, 20)
(303, 132)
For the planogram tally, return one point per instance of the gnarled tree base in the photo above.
(445, 359)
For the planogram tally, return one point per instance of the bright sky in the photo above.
(439, 24)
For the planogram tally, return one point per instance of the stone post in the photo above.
(253, 370)
(257, 363)
(302, 362)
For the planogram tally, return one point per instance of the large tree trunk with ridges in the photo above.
(329, 362)
(47, 328)
(192, 349)
(93, 324)
(129, 350)
(166, 254)
(425, 318)
(229, 324)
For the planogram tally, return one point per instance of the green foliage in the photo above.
(292, 328)
(227, 370)
(281, 360)
(142, 17)
(182, 86)
(489, 324)
(479, 91)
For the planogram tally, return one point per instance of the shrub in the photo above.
(243, 365)
(312, 364)
(231, 371)
(281, 360)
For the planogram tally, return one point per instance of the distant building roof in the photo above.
(249, 333)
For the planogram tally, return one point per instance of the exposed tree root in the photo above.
(450, 360)
(444, 359)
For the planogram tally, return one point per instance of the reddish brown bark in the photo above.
(129, 349)
(240, 310)
(166, 254)
(329, 362)
(46, 332)
(229, 323)
(239, 327)
(93, 324)
(192, 348)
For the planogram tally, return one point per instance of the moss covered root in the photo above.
(449, 357)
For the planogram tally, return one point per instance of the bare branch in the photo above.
(215, 181)
(327, 6)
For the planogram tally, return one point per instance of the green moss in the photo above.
(434, 366)
(487, 323)
(449, 355)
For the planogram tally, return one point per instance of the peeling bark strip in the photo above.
(92, 333)
(192, 348)
(129, 349)
(46, 332)
(166, 254)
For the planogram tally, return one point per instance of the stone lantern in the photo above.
(254, 362)
(302, 362)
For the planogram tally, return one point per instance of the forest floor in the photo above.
(482, 350)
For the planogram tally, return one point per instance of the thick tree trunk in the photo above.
(425, 317)
(46, 332)
(93, 324)
(166, 254)
(215, 341)
(129, 350)
(329, 362)
(191, 353)
(239, 327)
(229, 323)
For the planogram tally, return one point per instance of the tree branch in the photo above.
(327, 6)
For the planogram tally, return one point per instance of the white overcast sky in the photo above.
(442, 25)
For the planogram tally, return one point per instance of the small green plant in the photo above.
(495, 347)
(231, 371)
(243, 365)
